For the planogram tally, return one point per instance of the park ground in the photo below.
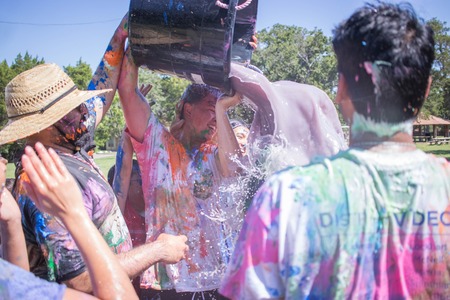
(106, 159)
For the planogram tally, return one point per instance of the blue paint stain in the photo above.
(291, 271)
(91, 86)
(165, 18)
(273, 292)
(170, 4)
(102, 98)
(119, 164)
(180, 6)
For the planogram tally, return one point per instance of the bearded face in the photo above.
(72, 127)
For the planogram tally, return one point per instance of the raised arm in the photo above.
(12, 237)
(55, 191)
(228, 144)
(124, 163)
(108, 71)
(135, 106)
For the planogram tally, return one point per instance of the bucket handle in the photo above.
(239, 7)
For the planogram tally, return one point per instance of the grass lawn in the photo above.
(105, 163)
(438, 150)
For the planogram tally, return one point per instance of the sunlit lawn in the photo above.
(106, 162)
(438, 150)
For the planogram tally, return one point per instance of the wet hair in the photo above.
(195, 93)
(400, 48)
(9, 184)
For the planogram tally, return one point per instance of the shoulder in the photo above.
(16, 283)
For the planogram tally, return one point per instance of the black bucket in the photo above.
(195, 39)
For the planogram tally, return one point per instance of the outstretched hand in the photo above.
(254, 42)
(51, 186)
(175, 247)
(230, 101)
(145, 89)
(122, 29)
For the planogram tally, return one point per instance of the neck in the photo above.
(400, 137)
(188, 140)
(371, 141)
(56, 142)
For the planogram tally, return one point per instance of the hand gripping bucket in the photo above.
(195, 39)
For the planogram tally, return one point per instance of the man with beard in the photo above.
(182, 170)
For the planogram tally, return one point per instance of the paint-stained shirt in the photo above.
(16, 283)
(52, 251)
(360, 225)
(181, 197)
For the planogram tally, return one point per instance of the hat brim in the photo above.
(25, 126)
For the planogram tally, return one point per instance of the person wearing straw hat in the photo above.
(44, 105)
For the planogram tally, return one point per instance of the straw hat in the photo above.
(38, 98)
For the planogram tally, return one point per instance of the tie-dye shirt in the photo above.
(361, 225)
(52, 251)
(181, 197)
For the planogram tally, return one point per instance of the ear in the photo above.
(344, 101)
(342, 90)
(427, 92)
(187, 111)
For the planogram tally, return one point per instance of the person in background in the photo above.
(127, 185)
(56, 192)
(371, 222)
(44, 105)
(241, 131)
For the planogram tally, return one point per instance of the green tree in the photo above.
(112, 124)
(438, 102)
(7, 73)
(81, 74)
(165, 94)
(297, 54)
(24, 63)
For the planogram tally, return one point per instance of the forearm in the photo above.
(13, 244)
(139, 259)
(107, 277)
(107, 73)
(228, 144)
(135, 107)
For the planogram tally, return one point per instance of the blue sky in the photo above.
(65, 44)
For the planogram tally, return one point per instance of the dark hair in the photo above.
(197, 92)
(237, 123)
(112, 171)
(400, 46)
